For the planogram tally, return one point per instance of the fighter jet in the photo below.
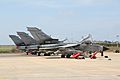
(26, 47)
(33, 45)
(43, 42)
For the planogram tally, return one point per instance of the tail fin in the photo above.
(17, 40)
(28, 40)
(38, 34)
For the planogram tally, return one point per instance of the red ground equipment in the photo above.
(93, 56)
(76, 55)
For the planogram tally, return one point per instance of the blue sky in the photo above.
(62, 19)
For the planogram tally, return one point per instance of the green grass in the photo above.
(113, 49)
(8, 49)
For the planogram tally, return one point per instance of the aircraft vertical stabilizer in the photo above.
(38, 34)
(17, 40)
(28, 40)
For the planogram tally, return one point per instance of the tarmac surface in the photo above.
(28, 67)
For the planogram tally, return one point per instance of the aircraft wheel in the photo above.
(45, 54)
(32, 53)
(39, 53)
(117, 51)
(62, 56)
(35, 53)
(48, 54)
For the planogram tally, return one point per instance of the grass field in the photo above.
(113, 49)
(7, 48)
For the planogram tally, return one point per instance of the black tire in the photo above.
(45, 54)
(62, 56)
(106, 56)
(32, 53)
(35, 53)
(39, 53)
(48, 54)
(83, 57)
(117, 51)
